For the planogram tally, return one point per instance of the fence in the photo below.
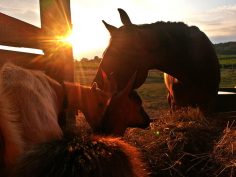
(228, 66)
(55, 21)
(57, 60)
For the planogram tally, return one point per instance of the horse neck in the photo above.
(163, 51)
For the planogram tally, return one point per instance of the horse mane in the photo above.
(166, 25)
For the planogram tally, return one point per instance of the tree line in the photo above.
(228, 48)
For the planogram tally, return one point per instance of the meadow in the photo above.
(229, 59)
(182, 143)
(153, 91)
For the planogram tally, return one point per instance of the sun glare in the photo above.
(68, 39)
(85, 43)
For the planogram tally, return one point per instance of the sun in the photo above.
(68, 39)
(86, 41)
(79, 42)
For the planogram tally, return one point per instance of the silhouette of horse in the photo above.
(183, 52)
(81, 157)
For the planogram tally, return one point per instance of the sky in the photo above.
(217, 18)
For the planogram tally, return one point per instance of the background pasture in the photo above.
(153, 91)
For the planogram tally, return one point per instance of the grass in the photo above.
(90, 64)
(228, 62)
(227, 59)
(153, 91)
(223, 57)
(228, 78)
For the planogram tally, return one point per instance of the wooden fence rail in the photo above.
(57, 60)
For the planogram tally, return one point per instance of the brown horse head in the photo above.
(124, 55)
(91, 101)
(124, 110)
(107, 108)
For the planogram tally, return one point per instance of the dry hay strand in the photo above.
(183, 143)
(224, 152)
(177, 143)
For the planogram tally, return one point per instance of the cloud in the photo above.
(225, 9)
(27, 10)
(218, 23)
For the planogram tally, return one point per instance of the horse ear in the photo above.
(109, 27)
(94, 86)
(124, 17)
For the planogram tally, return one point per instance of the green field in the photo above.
(85, 72)
(227, 59)
(223, 57)
(153, 91)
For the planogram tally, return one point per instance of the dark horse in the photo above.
(183, 52)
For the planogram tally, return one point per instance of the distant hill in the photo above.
(228, 48)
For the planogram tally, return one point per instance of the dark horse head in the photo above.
(124, 54)
(183, 52)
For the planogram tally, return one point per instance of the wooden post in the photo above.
(57, 60)
(56, 24)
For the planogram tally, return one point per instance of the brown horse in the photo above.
(108, 111)
(124, 110)
(30, 103)
(183, 52)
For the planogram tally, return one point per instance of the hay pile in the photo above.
(186, 143)
(224, 153)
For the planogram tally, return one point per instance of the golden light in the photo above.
(85, 41)
(89, 37)
(65, 39)
(69, 39)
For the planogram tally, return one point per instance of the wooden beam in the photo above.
(14, 32)
(55, 20)
(56, 23)
(19, 58)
